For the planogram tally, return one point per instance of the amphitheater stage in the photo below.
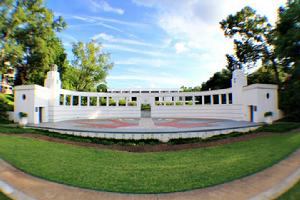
(146, 125)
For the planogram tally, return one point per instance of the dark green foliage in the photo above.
(290, 96)
(102, 87)
(279, 127)
(292, 194)
(253, 37)
(6, 104)
(145, 107)
(28, 41)
(3, 197)
(23, 114)
(288, 33)
(263, 75)
(104, 141)
(199, 140)
(219, 80)
(288, 48)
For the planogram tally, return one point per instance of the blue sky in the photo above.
(156, 43)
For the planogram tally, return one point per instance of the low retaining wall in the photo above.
(164, 137)
(61, 113)
(229, 111)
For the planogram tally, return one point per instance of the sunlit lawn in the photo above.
(145, 172)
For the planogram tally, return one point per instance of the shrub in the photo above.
(6, 104)
(23, 114)
(146, 107)
(122, 102)
(169, 103)
(131, 103)
(268, 114)
(189, 103)
(112, 102)
(159, 103)
(179, 103)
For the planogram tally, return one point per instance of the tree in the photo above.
(219, 80)
(89, 68)
(28, 41)
(102, 87)
(288, 48)
(253, 40)
(190, 89)
(263, 75)
(287, 32)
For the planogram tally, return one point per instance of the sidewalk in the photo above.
(267, 184)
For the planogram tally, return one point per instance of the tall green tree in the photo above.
(89, 68)
(287, 44)
(219, 80)
(28, 41)
(253, 40)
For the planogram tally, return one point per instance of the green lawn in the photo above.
(3, 197)
(292, 194)
(145, 172)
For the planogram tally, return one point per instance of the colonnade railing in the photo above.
(213, 97)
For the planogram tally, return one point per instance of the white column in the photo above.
(227, 98)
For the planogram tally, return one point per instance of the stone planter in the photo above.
(23, 121)
(269, 120)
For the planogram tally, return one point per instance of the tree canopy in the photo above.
(89, 67)
(28, 41)
(287, 45)
(253, 40)
(288, 48)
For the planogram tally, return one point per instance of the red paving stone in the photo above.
(110, 124)
(179, 123)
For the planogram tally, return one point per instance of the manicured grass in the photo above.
(3, 197)
(292, 194)
(145, 172)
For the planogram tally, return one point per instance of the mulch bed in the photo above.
(148, 148)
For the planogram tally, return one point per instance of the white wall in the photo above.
(35, 97)
(256, 95)
(60, 113)
(243, 96)
(233, 112)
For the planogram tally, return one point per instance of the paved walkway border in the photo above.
(267, 184)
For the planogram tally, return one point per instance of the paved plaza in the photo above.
(151, 125)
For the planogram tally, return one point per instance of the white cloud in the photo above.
(158, 80)
(153, 62)
(93, 19)
(133, 50)
(101, 5)
(112, 39)
(193, 25)
(180, 47)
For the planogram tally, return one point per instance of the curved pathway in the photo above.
(267, 184)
